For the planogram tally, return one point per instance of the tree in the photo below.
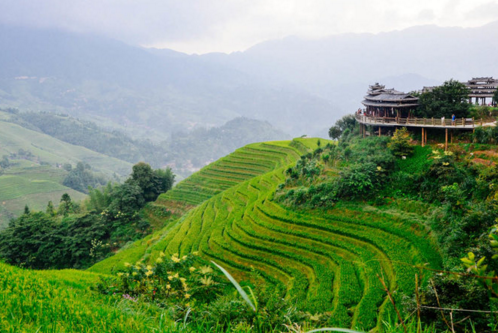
(4, 163)
(66, 205)
(444, 101)
(495, 97)
(80, 177)
(335, 132)
(345, 123)
(29, 241)
(166, 178)
(400, 143)
(50, 209)
(151, 182)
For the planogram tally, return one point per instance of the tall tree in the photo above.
(346, 122)
(444, 101)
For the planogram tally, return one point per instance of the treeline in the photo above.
(187, 151)
(81, 177)
(89, 135)
(78, 235)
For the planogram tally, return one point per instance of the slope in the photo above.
(28, 183)
(327, 261)
(60, 301)
(245, 163)
(241, 165)
(50, 150)
(34, 176)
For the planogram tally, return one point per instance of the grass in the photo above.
(327, 260)
(61, 301)
(29, 183)
(48, 149)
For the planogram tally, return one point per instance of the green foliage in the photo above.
(345, 123)
(36, 241)
(81, 240)
(485, 135)
(324, 258)
(495, 97)
(486, 277)
(480, 112)
(358, 180)
(99, 199)
(40, 296)
(443, 101)
(81, 177)
(50, 211)
(169, 282)
(152, 183)
(88, 134)
(419, 162)
(400, 143)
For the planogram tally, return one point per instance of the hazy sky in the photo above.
(200, 26)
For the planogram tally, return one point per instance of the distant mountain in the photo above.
(300, 86)
(149, 93)
(340, 67)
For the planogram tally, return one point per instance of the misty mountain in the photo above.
(340, 67)
(149, 93)
(300, 86)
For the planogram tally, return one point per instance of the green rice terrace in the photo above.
(329, 262)
(266, 214)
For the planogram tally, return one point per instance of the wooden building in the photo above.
(482, 88)
(382, 102)
(391, 109)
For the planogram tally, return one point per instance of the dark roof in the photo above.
(379, 96)
(389, 104)
(391, 97)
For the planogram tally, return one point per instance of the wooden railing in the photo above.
(420, 122)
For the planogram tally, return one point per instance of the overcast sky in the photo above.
(200, 26)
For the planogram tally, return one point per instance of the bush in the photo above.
(400, 143)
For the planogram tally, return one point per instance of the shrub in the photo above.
(400, 143)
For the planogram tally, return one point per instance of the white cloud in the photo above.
(231, 25)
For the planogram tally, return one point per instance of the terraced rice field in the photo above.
(327, 261)
(243, 164)
(60, 301)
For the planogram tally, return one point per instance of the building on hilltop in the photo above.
(382, 102)
(481, 88)
(391, 109)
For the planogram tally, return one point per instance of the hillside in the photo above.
(148, 95)
(50, 150)
(327, 261)
(39, 296)
(28, 183)
(34, 176)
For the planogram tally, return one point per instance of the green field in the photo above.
(50, 150)
(328, 260)
(61, 301)
(37, 180)
(27, 183)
